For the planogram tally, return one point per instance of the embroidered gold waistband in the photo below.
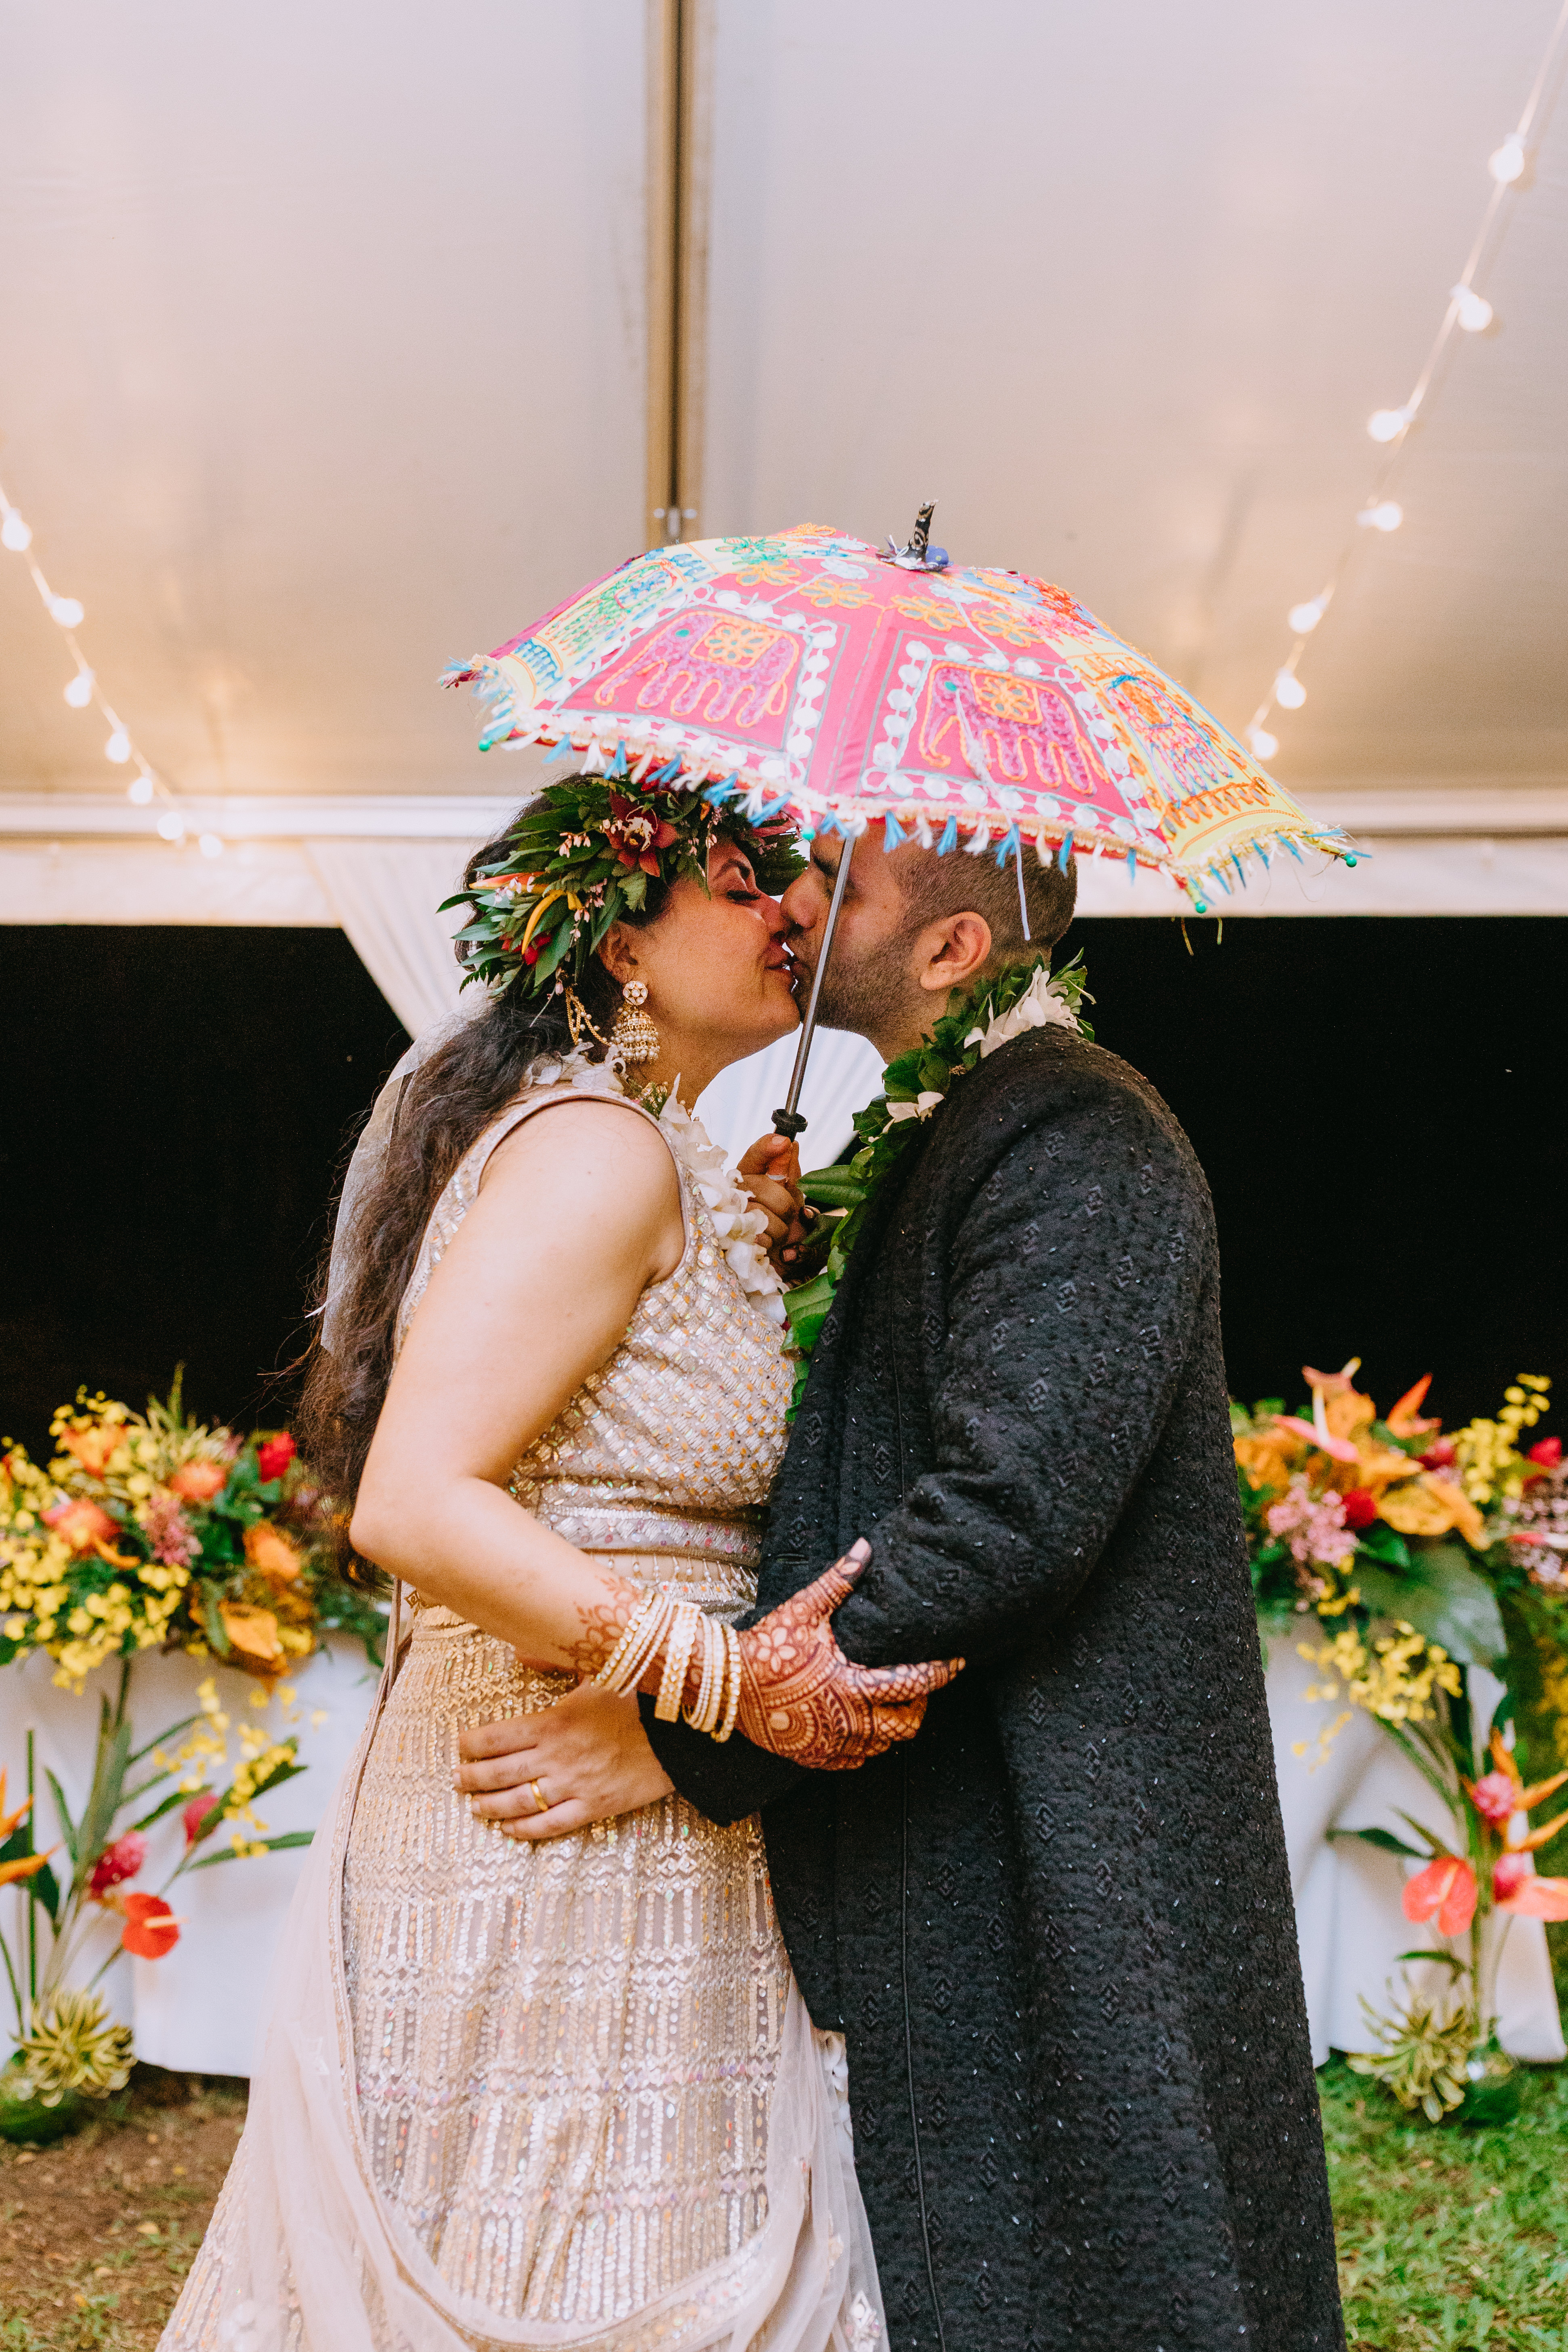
(595, 1523)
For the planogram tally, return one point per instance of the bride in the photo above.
(561, 2094)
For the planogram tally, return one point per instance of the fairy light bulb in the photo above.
(1474, 313)
(1506, 164)
(118, 747)
(78, 693)
(1303, 619)
(68, 611)
(1289, 691)
(1386, 515)
(140, 790)
(15, 533)
(1261, 743)
(210, 844)
(170, 826)
(1388, 424)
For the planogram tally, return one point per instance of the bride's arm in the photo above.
(578, 1211)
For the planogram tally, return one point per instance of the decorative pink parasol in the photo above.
(831, 686)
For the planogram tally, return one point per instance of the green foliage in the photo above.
(1439, 1593)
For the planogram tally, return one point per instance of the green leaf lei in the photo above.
(930, 1068)
(584, 852)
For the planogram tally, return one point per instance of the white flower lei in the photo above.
(1043, 1006)
(742, 1228)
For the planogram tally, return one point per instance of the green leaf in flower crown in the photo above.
(1442, 1597)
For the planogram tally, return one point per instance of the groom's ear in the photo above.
(950, 951)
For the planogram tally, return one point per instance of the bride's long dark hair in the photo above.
(446, 1105)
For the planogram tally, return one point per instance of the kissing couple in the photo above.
(803, 1884)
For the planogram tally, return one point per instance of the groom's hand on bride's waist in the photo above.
(801, 1698)
(585, 1759)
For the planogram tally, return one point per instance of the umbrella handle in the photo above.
(788, 1121)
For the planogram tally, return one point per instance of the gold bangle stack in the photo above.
(678, 1626)
(686, 1623)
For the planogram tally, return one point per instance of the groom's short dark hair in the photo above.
(958, 881)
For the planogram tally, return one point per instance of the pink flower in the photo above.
(168, 1530)
(273, 1458)
(122, 1860)
(195, 1813)
(1517, 1889)
(1315, 1532)
(1495, 1797)
(1446, 1887)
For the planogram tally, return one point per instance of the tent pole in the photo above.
(677, 42)
(788, 1121)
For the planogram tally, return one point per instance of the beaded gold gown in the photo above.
(566, 2095)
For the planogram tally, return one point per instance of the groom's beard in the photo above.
(876, 997)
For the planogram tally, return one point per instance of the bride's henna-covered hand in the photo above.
(800, 1695)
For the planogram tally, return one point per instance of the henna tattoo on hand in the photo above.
(800, 1695)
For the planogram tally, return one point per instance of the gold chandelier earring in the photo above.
(634, 1037)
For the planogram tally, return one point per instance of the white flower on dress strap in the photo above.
(740, 1227)
(1041, 1006)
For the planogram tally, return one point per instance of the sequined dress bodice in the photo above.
(672, 1444)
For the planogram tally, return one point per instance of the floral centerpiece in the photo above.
(1416, 1557)
(151, 1531)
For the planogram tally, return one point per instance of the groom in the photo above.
(1056, 1928)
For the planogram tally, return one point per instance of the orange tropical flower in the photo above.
(272, 1553)
(93, 1447)
(1405, 1419)
(25, 1864)
(81, 1524)
(197, 1482)
(254, 1631)
(1446, 1887)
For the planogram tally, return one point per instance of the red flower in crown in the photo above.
(636, 835)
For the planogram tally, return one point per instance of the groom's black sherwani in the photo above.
(1057, 1928)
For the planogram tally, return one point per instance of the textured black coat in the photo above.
(1057, 1928)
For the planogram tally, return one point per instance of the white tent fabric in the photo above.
(385, 894)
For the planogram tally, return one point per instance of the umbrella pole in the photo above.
(788, 1121)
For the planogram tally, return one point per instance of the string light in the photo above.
(81, 690)
(210, 844)
(1469, 313)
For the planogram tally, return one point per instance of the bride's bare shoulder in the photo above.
(586, 1143)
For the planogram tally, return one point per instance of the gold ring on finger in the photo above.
(542, 1802)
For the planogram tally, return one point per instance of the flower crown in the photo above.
(583, 853)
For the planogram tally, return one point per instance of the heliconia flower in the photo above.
(120, 1861)
(195, 1813)
(1518, 1890)
(272, 1553)
(1495, 1797)
(1405, 1418)
(197, 1482)
(25, 1865)
(1448, 1888)
(81, 1524)
(274, 1457)
(151, 1928)
(9, 1822)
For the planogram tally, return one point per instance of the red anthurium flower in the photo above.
(1446, 1887)
(1359, 1508)
(1547, 1451)
(151, 1928)
(273, 1458)
(1517, 1889)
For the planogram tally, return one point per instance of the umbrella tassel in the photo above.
(617, 766)
(892, 832)
(1291, 848)
(1132, 866)
(1006, 845)
(949, 836)
(1064, 854)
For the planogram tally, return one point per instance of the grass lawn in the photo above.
(1449, 2238)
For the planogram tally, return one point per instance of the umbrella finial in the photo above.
(920, 555)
